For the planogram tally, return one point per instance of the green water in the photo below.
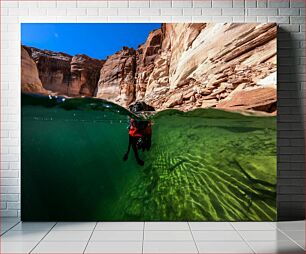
(204, 165)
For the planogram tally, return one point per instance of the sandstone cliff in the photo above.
(30, 81)
(146, 55)
(209, 65)
(117, 77)
(64, 74)
(85, 73)
(184, 66)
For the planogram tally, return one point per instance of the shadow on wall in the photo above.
(290, 125)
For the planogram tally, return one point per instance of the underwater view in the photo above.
(203, 165)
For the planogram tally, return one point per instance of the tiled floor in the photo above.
(152, 237)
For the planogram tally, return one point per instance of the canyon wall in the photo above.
(64, 74)
(229, 66)
(117, 78)
(184, 66)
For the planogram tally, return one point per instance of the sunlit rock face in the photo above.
(146, 56)
(117, 77)
(206, 65)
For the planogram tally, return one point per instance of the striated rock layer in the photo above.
(206, 65)
(184, 66)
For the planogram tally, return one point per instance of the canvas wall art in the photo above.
(155, 122)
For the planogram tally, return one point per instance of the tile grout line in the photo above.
(273, 225)
(42, 238)
(114, 230)
(247, 243)
(193, 237)
(143, 232)
(90, 237)
(10, 228)
(290, 238)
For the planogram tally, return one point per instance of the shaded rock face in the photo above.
(66, 75)
(117, 78)
(30, 82)
(85, 74)
(53, 69)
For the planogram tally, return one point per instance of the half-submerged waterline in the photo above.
(204, 165)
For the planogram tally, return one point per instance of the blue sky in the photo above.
(95, 40)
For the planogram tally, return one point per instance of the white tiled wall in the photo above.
(290, 14)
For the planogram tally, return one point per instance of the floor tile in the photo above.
(301, 243)
(273, 235)
(3, 230)
(297, 235)
(33, 226)
(216, 236)
(223, 247)
(9, 220)
(119, 226)
(253, 226)
(9, 224)
(160, 237)
(114, 247)
(276, 247)
(211, 226)
(169, 247)
(166, 226)
(68, 236)
(60, 247)
(74, 226)
(17, 247)
(23, 236)
(291, 225)
(168, 236)
(99, 236)
(5, 226)
(273, 224)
